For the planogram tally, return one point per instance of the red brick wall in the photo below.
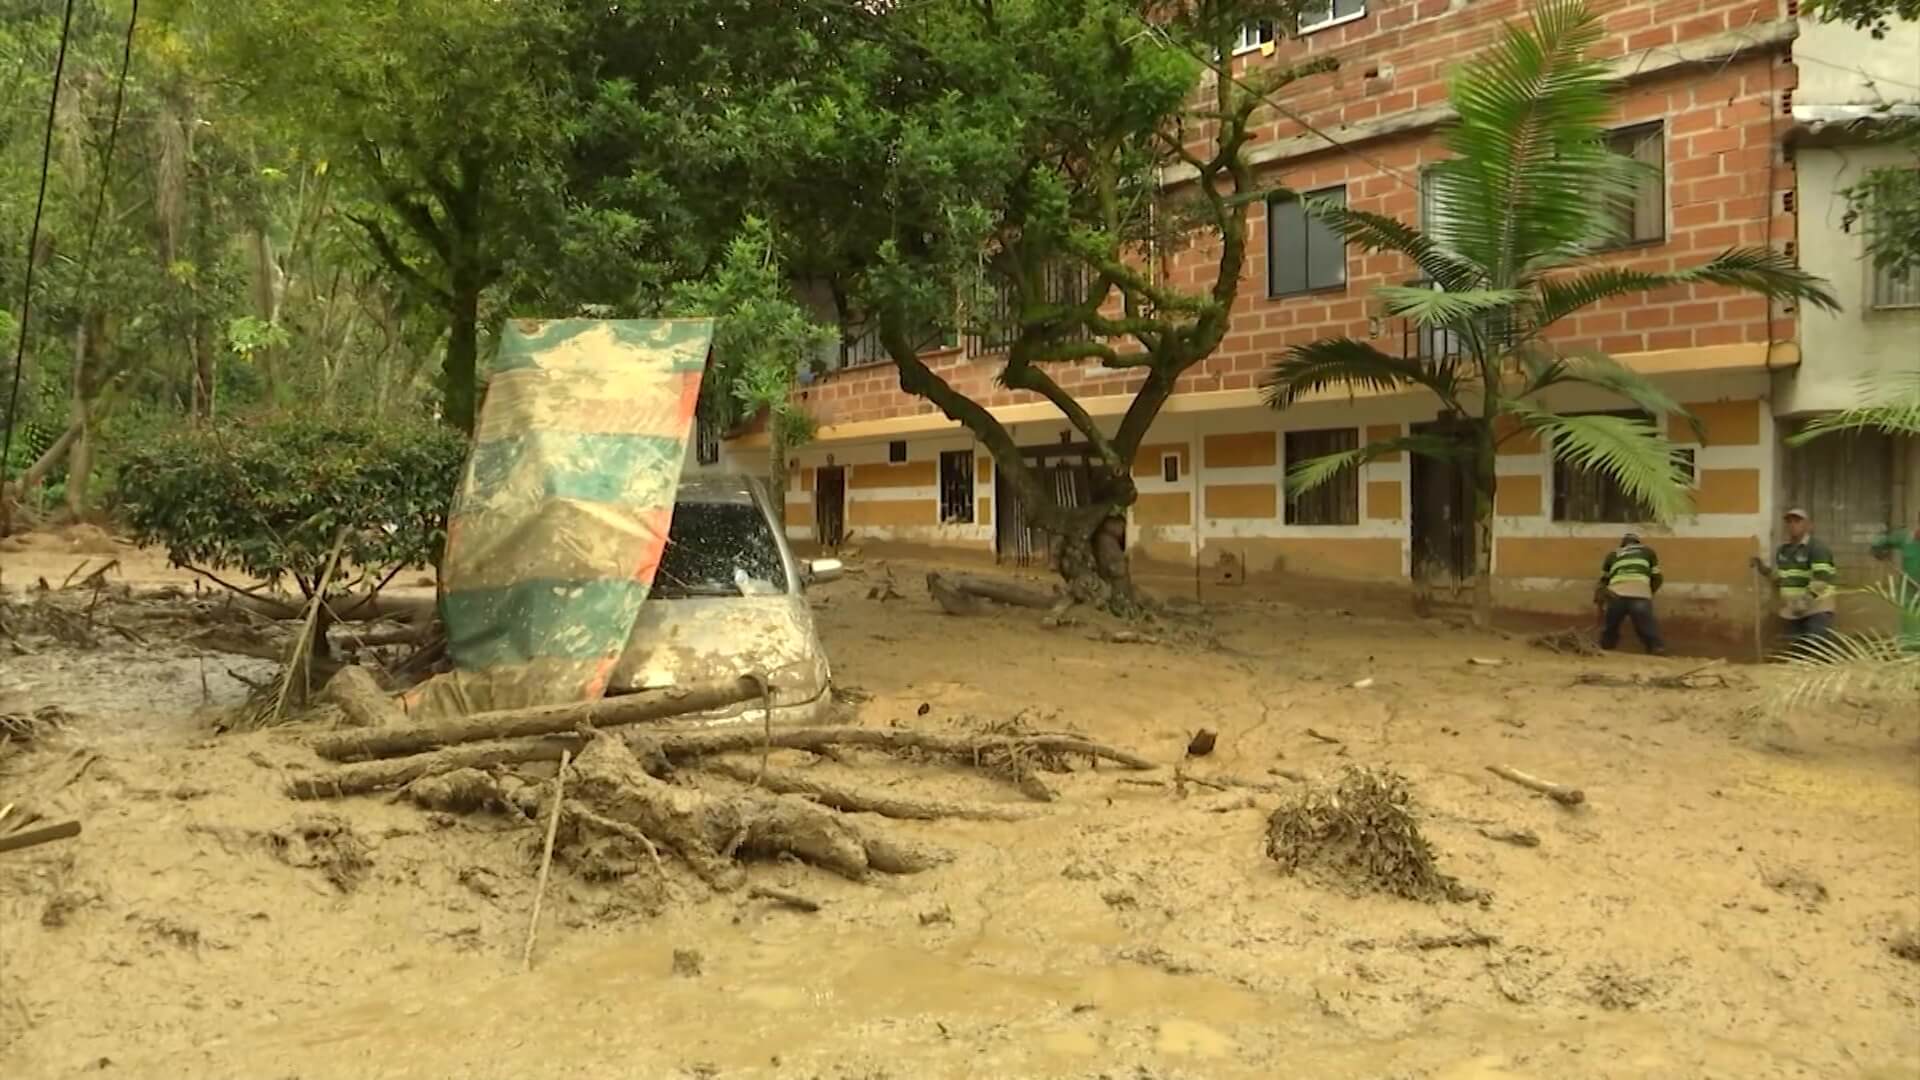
(1724, 181)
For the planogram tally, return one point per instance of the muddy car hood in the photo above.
(701, 639)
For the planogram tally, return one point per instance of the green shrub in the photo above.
(267, 497)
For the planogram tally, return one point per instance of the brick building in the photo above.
(1706, 98)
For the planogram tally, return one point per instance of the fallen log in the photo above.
(856, 801)
(34, 837)
(361, 699)
(379, 775)
(358, 779)
(694, 743)
(1560, 793)
(708, 831)
(545, 720)
(1000, 592)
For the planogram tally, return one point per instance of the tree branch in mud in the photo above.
(546, 720)
(945, 588)
(982, 751)
(853, 800)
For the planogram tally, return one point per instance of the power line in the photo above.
(33, 246)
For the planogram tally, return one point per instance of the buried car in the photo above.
(728, 601)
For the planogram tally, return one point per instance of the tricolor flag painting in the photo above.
(561, 516)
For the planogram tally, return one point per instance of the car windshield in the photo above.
(719, 549)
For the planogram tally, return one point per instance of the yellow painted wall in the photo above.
(1248, 450)
(1242, 501)
(893, 512)
(1728, 491)
(1381, 433)
(1517, 496)
(1728, 423)
(1695, 559)
(1344, 558)
(1383, 500)
(906, 474)
(1163, 508)
(1147, 461)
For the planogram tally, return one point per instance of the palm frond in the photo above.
(1842, 664)
(1756, 270)
(1309, 474)
(1893, 408)
(1632, 451)
(1599, 370)
(1348, 362)
(1436, 307)
(1378, 232)
(1532, 173)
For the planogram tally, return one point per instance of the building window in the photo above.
(956, 487)
(1887, 288)
(1587, 494)
(897, 452)
(1253, 34)
(1062, 284)
(1336, 502)
(1641, 218)
(706, 440)
(1315, 14)
(1170, 468)
(1303, 252)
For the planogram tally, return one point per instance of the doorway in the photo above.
(830, 505)
(1063, 472)
(1442, 507)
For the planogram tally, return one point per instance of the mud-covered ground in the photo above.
(1718, 907)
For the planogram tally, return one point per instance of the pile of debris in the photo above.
(1357, 834)
(629, 793)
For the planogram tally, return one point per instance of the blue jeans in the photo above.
(1640, 610)
(1808, 630)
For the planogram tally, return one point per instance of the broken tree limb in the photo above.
(35, 837)
(854, 800)
(1000, 592)
(1560, 793)
(546, 862)
(545, 720)
(951, 600)
(707, 830)
(784, 898)
(358, 779)
(361, 699)
(379, 775)
(692, 743)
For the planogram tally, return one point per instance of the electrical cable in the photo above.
(33, 247)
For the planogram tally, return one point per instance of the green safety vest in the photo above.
(1631, 570)
(1804, 573)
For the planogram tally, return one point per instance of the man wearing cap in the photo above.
(1803, 573)
(1629, 577)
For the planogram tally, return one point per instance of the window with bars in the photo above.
(1642, 217)
(1888, 287)
(1587, 494)
(1304, 254)
(1336, 502)
(956, 487)
(706, 440)
(1253, 34)
(859, 345)
(1315, 14)
(1060, 284)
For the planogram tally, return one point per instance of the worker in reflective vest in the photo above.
(1904, 543)
(1629, 577)
(1803, 574)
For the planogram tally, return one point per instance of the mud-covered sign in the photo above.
(561, 516)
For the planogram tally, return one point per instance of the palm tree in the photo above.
(1532, 188)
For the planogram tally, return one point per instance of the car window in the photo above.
(719, 549)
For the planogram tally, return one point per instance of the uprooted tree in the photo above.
(1008, 165)
(271, 500)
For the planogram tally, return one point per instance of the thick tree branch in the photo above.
(383, 245)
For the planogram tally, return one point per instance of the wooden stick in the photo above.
(1003, 592)
(855, 801)
(303, 644)
(360, 697)
(546, 860)
(1560, 793)
(380, 775)
(544, 720)
(694, 743)
(784, 898)
(34, 837)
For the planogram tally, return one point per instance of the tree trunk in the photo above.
(80, 417)
(1483, 488)
(1091, 557)
(463, 353)
(777, 472)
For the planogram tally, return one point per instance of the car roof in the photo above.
(721, 488)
